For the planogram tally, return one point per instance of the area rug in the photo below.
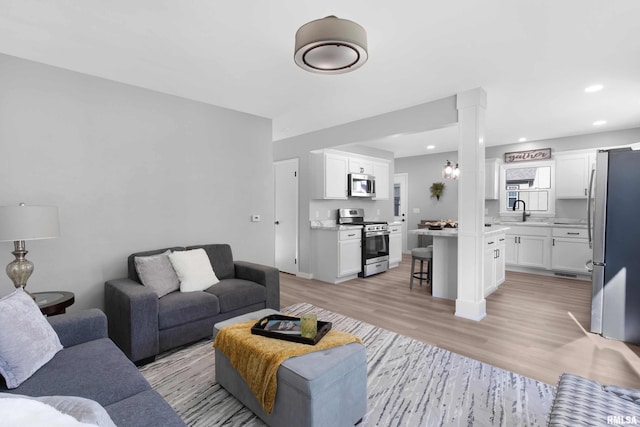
(410, 383)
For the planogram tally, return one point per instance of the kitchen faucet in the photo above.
(524, 209)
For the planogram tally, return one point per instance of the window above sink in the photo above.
(530, 182)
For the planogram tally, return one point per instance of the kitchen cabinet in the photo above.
(330, 168)
(570, 250)
(492, 179)
(395, 245)
(349, 253)
(329, 175)
(381, 172)
(357, 165)
(494, 262)
(573, 171)
(528, 247)
(338, 254)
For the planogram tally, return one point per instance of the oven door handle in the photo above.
(375, 233)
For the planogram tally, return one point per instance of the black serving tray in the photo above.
(258, 329)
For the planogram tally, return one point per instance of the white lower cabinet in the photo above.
(529, 247)
(337, 254)
(570, 250)
(494, 262)
(349, 254)
(395, 245)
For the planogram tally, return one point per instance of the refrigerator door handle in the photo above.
(589, 266)
(593, 171)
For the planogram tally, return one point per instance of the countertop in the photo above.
(331, 225)
(453, 232)
(541, 224)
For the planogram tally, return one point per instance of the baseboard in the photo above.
(304, 275)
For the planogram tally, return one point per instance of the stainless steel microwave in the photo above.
(361, 185)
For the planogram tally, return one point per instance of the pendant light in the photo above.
(331, 46)
(449, 171)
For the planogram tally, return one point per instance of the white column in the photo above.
(470, 302)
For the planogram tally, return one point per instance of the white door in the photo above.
(286, 215)
(400, 203)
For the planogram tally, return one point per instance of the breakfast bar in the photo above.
(444, 277)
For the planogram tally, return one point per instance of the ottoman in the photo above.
(322, 388)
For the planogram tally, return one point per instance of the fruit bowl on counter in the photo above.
(438, 224)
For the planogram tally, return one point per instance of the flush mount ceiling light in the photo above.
(331, 46)
(593, 88)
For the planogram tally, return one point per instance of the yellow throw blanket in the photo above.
(257, 358)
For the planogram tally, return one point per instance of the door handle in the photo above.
(589, 266)
(277, 223)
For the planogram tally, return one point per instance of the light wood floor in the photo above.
(528, 328)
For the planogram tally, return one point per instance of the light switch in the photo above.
(416, 210)
(255, 218)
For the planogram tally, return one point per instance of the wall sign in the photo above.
(527, 156)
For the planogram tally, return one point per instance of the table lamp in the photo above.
(20, 223)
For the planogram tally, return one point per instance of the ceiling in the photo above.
(533, 58)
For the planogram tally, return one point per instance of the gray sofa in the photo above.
(143, 325)
(91, 366)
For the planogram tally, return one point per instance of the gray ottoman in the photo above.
(323, 388)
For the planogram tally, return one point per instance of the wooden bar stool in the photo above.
(422, 255)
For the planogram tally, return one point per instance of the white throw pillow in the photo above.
(19, 412)
(193, 269)
(27, 340)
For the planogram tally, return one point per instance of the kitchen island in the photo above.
(444, 277)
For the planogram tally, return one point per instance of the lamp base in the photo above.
(19, 270)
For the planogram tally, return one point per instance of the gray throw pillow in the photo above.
(157, 273)
(84, 410)
(27, 340)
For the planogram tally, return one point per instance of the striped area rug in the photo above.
(410, 383)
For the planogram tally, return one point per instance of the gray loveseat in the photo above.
(91, 366)
(143, 325)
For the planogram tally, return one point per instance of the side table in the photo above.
(54, 302)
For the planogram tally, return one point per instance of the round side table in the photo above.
(54, 302)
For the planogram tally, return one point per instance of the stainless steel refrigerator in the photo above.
(615, 309)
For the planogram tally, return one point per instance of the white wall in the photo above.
(426, 169)
(565, 208)
(130, 170)
(422, 172)
(428, 116)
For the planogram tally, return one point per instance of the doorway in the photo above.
(400, 203)
(286, 215)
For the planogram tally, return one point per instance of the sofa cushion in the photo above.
(96, 370)
(27, 340)
(193, 269)
(178, 308)
(238, 293)
(221, 259)
(131, 260)
(144, 409)
(156, 272)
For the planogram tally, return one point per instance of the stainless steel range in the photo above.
(375, 241)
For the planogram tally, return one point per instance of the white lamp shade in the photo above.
(331, 46)
(28, 223)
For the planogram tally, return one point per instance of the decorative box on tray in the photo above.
(288, 328)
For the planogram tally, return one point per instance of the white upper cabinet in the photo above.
(573, 171)
(492, 179)
(357, 165)
(383, 185)
(329, 171)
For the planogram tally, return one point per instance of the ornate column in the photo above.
(470, 302)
